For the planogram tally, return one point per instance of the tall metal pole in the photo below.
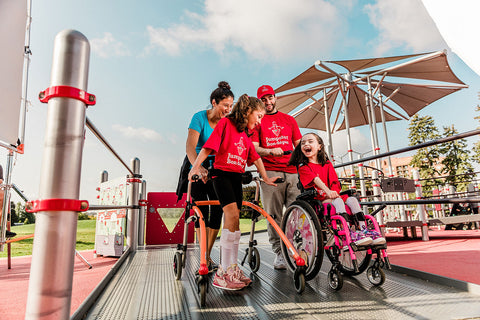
(6, 199)
(132, 216)
(141, 216)
(387, 146)
(376, 149)
(347, 127)
(51, 273)
(327, 125)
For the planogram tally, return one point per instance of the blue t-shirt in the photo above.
(200, 124)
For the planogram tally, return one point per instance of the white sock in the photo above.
(226, 248)
(236, 244)
(339, 205)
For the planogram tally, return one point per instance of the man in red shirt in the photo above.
(277, 133)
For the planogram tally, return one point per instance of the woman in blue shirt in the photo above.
(199, 130)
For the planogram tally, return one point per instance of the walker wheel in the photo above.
(177, 265)
(376, 276)
(202, 290)
(335, 279)
(299, 281)
(254, 260)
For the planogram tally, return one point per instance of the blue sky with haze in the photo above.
(154, 63)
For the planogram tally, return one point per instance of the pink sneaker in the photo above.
(226, 280)
(375, 235)
(359, 238)
(241, 276)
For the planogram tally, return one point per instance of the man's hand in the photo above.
(276, 152)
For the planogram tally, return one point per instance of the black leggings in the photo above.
(212, 214)
(228, 186)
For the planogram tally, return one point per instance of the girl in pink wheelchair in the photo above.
(316, 171)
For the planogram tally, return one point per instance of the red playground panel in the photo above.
(157, 232)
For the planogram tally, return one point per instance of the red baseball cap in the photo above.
(264, 90)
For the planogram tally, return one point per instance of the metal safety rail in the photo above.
(145, 288)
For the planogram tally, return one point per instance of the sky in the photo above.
(154, 63)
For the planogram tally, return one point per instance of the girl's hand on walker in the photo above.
(194, 172)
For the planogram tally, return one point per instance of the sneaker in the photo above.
(375, 235)
(279, 263)
(10, 234)
(241, 276)
(359, 238)
(226, 280)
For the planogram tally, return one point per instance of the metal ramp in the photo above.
(145, 288)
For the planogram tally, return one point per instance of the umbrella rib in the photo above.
(386, 106)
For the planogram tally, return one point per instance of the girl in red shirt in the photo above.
(233, 150)
(316, 171)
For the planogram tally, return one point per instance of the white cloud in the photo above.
(264, 30)
(138, 133)
(403, 23)
(108, 46)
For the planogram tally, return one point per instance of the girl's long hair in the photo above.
(244, 106)
(298, 158)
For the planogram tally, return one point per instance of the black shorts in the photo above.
(228, 186)
(212, 214)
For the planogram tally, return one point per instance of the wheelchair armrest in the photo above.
(349, 192)
(307, 194)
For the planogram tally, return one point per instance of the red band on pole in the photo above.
(57, 205)
(67, 92)
(134, 180)
(142, 203)
(350, 150)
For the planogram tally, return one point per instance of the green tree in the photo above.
(476, 146)
(23, 215)
(456, 161)
(423, 129)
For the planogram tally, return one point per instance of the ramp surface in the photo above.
(145, 288)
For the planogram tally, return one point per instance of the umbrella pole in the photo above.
(327, 125)
(390, 169)
(376, 149)
(349, 140)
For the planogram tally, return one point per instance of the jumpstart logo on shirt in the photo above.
(276, 129)
(277, 140)
(238, 160)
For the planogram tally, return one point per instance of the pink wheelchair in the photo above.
(314, 228)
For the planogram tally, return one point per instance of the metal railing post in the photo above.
(132, 216)
(377, 193)
(6, 199)
(51, 273)
(422, 214)
(141, 216)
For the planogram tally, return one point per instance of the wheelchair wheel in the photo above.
(376, 276)
(177, 265)
(346, 264)
(254, 262)
(335, 279)
(302, 228)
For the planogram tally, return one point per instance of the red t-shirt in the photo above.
(278, 130)
(233, 149)
(326, 173)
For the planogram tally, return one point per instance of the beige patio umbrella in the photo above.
(359, 95)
